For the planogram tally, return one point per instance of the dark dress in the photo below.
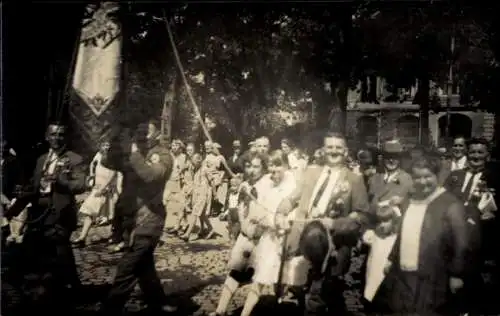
(442, 254)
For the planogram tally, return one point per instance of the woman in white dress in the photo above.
(242, 255)
(106, 187)
(268, 253)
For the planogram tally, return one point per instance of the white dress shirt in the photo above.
(320, 208)
(391, 176)
(459, 164)
(49, 168)
(475, 180)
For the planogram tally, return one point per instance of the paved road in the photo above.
(192, 272)
(196, 269)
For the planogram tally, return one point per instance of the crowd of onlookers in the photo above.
(426, 218)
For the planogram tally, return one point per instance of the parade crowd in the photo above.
(426, 219)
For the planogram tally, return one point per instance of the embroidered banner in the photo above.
(96, 80)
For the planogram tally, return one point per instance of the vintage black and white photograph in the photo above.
(226, 158)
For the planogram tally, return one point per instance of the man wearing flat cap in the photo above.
(392, 182)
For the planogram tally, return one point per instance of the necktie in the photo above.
(322, 189)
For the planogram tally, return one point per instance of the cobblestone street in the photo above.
(192, 273)
(183, 267)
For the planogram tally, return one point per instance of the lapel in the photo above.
(382, 189)
(309, 184)
(37, 175)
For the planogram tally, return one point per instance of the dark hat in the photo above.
(392, 147)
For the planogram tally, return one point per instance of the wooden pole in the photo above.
(449, 88)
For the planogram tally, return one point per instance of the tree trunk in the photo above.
(422, 98)
(339, 122)
(346, 55)
(169, 102)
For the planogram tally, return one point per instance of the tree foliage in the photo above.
(246, 64)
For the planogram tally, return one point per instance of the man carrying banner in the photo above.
(149, 166)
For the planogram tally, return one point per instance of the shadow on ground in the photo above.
(268, 305)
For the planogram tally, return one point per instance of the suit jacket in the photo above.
(355, 201)
(445, 171)
(455, 180)
(478, 229)
(355, 197)
(62, 197)
(442, 253)
(236, 165)
(379, 190)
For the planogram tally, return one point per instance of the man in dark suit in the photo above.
(235, 162)
(393, 181)
(457, 161)
(46, 250)
(473, 185)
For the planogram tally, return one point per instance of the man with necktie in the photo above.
(235, 162)
(394, 181)
(457, 161)
(47, 257)
(329, 191)
(474, 186)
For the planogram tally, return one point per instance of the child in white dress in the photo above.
(381, 240)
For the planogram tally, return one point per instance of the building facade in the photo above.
(378, 120)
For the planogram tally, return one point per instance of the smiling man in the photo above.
(474, 186)
(331, 191)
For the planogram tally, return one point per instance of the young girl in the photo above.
(106, 188)
(231, 212)
(381, 240)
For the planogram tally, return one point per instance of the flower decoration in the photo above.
(395, 181)
(63, 161)
(333, 213)
(344, 187)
